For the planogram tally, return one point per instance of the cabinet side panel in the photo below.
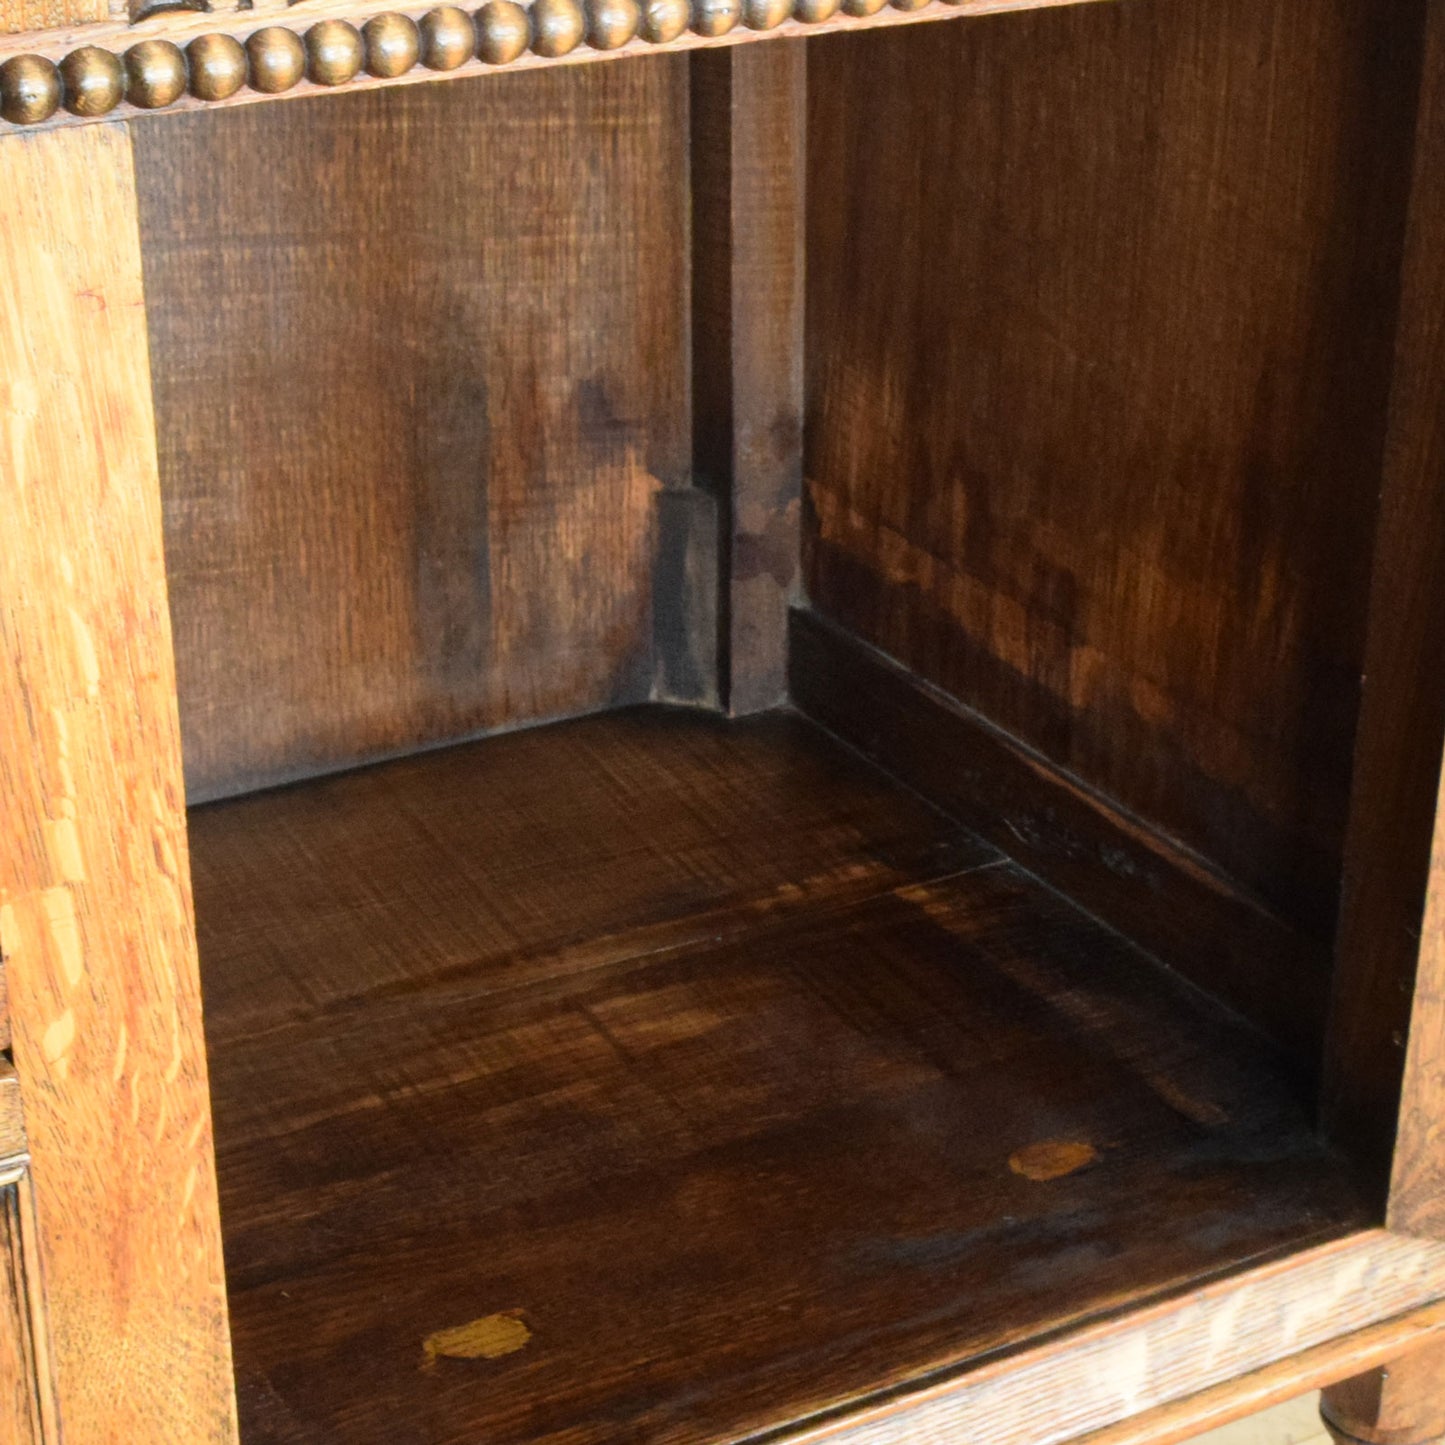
(1417, 1184)
(420, 363)
(1099, 330)
(95, 904)
(1397, 760)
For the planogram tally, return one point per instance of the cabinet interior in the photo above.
(591, 1064)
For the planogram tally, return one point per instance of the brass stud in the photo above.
(334, 52)
(863, 7)
(557, 26)
(664, 20)
(715, 17)
(814, 12)
(503, 31)
(765, 14)
(278, 59)
(94, 81)
(612, 23)
(29, 89)
(392, 45)
(218, 66)
(448, 38)
(909, 4)
(155, 74)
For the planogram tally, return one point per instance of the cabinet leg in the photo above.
(1400, 1403)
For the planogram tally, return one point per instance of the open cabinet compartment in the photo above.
(892, 922)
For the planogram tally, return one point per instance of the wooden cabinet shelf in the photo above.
(789, 1093)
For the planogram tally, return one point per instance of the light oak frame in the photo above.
(95, 906)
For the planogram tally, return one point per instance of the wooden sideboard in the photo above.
(736, 746)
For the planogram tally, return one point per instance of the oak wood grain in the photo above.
(501, 851)
(1275, 1383)
(1118, 1370)
(19, 1400)
(27, 1403)
(1399, 1402)
(1097, 390)
(95, 906)
(1164, 897)
(707, 1179)
(748, 164)
(421, 382)
(13, 1146)
(1389, 978)
(17, 17)
(1418, 1169)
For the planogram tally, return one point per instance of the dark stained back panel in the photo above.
(1100, 309)
(420, 373)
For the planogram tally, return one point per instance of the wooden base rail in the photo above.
(183, 59)
(1313, 1369)
(1286, 1322)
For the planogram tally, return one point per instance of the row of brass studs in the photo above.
(153, 74)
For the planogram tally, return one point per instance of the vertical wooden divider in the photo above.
(1383, 960)
(95, 905)
(749, 167)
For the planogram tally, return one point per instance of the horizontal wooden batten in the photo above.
(1151, 889)
(185, 60)
(1081, 1386)
(1275, 1383)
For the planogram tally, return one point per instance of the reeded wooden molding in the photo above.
(25, 1369)
(1103, 1375)
(307, 50)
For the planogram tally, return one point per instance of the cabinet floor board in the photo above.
(654, 1077)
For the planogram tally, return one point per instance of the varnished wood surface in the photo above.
(1397, 758)
(1399, 1402)
(1129, 1370)
(1417, 1176)
(780, 1138)
(13, 1147)
(748, 168)
(557, 32)
(95, 905)
(19, 1398)
(1274, 1383)
(538, 854)
(1097, 392)
(1165, 898)
(420, 377)
(25, 1377)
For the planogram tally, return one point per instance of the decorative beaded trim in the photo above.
(92, 81)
